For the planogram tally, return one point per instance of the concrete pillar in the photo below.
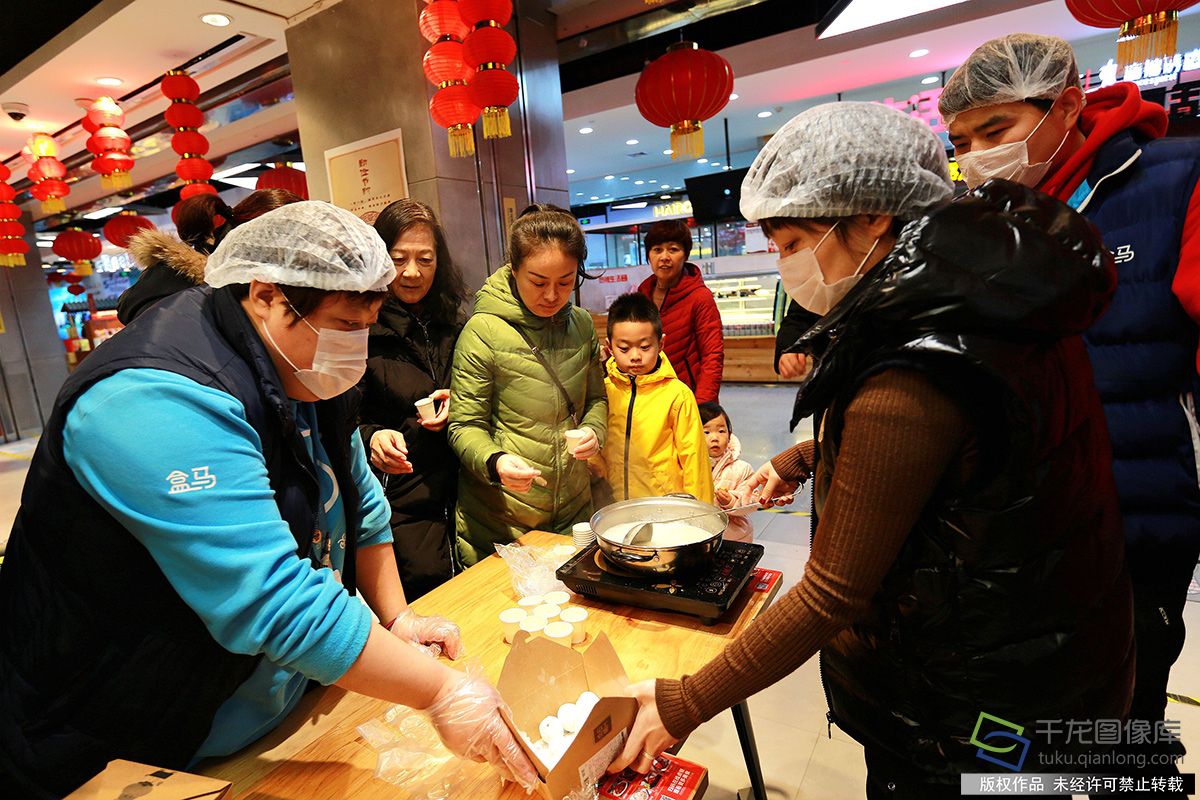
(356, 68)
(32, 362)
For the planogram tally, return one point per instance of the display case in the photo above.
(746, 303)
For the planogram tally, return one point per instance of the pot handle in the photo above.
(620, 555)
(684, 495)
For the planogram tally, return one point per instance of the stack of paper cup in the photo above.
(510, 619)
(578, 618)
(582, 534)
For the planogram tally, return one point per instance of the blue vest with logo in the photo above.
(1143, 350)
(100, 658)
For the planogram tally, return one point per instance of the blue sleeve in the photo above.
(375, 520)
(178, 465)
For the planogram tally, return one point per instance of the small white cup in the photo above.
(559, 631)
(510, 619)
(578, 618)
(547, 611)
(574, 437)
(533, 625)
(531, 602)
(557, 598)
(426, 408)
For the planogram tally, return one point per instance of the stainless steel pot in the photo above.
(660, 560)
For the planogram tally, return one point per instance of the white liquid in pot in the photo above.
(664, 534)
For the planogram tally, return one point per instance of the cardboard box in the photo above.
(539, 676)
(670, 778)
(126, 780)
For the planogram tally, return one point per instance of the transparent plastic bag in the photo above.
(413, 757)
(531, 569)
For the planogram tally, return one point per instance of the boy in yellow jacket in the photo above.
(656, 442)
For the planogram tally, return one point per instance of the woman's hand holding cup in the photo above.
(767, 488)
(582, 443)
(515, 473)
(439, 420)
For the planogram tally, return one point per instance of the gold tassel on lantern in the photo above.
(687, 139)
(495, 123)
(83, 268)
(119, 181)
(462, 142)
(1146, 37)
(53, 205)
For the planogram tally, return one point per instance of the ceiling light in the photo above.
(631, 142)
(570, 172)
(595, 197)
(585, 130)
(733, 96)
(664, 186)
(579, 194)
(714, 163)
(609, 177)
(109, 81)
(216, 20)
(638, 183)
(930, 80)
(238, 170)
(918, 53)
(664, 197)
(102, 213)
(668, 152)
(764, 114)
(678, 187)
(624, 177)
(300, 166)
(858, 14)
(624, 206)
(725, 167)
(701, 160)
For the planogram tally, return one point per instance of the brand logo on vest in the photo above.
(200, 479)
(1005, 731)
(1123, 253)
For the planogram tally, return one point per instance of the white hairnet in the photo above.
(312, 244)
(841, 159)
(1011, 69)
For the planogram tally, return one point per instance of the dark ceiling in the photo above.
(30, 25)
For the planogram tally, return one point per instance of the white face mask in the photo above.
(802, 279)
(1009, 161)
(338, 364)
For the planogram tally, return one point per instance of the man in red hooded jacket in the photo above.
(1015, 110)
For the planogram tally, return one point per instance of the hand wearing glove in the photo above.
(433, 635)
(466, 714)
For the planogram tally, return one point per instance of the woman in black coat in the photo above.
(410, 352)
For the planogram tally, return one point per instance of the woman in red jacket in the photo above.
(692, 337)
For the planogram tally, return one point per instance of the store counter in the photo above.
(318, 753)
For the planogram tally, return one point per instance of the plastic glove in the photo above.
(466, 715)
(434, 635)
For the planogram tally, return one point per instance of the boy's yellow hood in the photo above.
(662, 372)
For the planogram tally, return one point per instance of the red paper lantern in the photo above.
(441, 18)
(5, 172)
(474, 12)
(452, 108)
(124, 226)
(12, 251)
(443, 62)
(184, 115)
(177, 86)
(7, 193)
(11, 228)
(104, 112)
(109, 138)
(193, 189)
(489, 45)
(1146, 28)
(282, 176)
(71, 277)
(76, 289)
(42, 145)
(189, 143)
(494, 90)
(50, 168)
(47, 173)
(194, 168)
(10, 211)
(78, 247)
(88, 125)
(680, 90)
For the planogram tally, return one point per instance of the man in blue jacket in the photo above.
(200, 535)
(1015, 110)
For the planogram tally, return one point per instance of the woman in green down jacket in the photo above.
(526, 370)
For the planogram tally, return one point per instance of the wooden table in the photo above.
(317, 752)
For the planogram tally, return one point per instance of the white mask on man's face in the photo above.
(338, 364)
(802, 279)
(1008, 161)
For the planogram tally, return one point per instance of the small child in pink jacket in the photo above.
(724, 451)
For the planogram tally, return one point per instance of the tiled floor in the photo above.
(800, 760)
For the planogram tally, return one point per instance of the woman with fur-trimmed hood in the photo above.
(170, 265)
